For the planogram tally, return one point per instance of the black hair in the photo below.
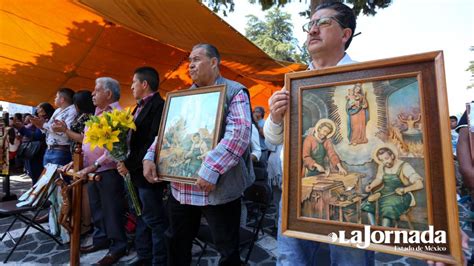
(18, 116)
(5, 116)
(150, 75)
(67, 94)
(345, 15)
(211, 51)
(25, 115)
(83, 101)
(48, 109)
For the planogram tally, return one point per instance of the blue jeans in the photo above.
(294, 251)
(60, 157)
(151, 226)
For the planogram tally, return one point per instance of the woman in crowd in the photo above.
(34, 165)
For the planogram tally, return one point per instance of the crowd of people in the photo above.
(164, 233)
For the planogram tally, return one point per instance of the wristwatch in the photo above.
(96, 165)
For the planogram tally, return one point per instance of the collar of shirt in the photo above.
(108, 108)
(344, 61)
(140, 104)
(146, 99)
(60, 110)
(219, 80)
(68, 109)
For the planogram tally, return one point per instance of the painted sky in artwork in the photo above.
(199, 110)
(403, 101)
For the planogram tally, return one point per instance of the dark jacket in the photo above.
(147, 123)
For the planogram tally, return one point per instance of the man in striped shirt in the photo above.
(223, 176)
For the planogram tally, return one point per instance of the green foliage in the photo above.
(228, 5)
(367, 7)
(471, 69)
(224, 5)
(267, 4)
(274, 35)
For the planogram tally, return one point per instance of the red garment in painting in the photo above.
(358, 127)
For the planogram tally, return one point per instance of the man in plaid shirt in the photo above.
(224, 174)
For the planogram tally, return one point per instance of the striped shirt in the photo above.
(223, 157)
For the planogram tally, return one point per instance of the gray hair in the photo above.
(211, 51)
(111, 85)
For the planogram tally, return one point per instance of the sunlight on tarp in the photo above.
(52, 44)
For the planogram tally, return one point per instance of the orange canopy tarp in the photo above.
(45, 45)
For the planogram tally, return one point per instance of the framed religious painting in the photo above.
(368, 160)
(190, 128)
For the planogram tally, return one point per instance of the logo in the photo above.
(333, 236)
(362, 239)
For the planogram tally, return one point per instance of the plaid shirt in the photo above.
(223, 157)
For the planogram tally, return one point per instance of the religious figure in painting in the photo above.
(411, 123)
(391, 190)
(196, 155)
(357, 110)
(319, 155)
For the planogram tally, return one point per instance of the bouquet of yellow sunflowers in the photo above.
(109, 131)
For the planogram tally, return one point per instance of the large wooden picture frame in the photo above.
(367, 147)
(190, 128)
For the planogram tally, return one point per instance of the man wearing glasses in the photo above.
(330, 32)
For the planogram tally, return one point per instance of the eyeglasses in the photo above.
(321, 23)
